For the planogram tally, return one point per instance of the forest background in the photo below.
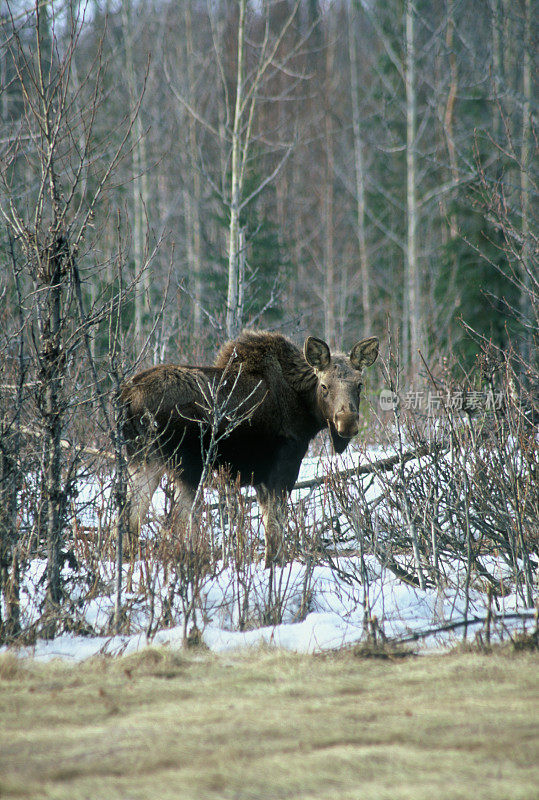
(306, 166)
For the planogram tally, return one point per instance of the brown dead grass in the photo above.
(264, 724)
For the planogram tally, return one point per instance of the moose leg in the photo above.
(142, 482)
(273, 506)
(184, 497)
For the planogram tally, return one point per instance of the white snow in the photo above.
(322, 607)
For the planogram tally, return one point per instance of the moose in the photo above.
(272, 401)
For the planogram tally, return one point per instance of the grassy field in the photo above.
(265, 724)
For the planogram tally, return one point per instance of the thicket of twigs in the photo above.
(452, 501)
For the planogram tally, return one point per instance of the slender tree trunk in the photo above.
(359, 174)
(298, 244)
(450, 106)
(50, 258)
(525, 166)
(507, 40)
(412, 277)
(11, 475)
(233, 312)
(497, 62)
(140, 178)
(120, 498)
(328, 249)
(448, 128)
(51, 279)
(329, 257)
(405, 327)
(10, 481)
(194, 195)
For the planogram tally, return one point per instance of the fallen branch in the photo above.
(383, 465)
(451, 626)
(65, 444)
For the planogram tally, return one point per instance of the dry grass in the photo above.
(270, 725)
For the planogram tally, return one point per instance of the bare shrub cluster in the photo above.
(451, 506)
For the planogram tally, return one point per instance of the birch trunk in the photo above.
(233, 312)
(412, 276)
(140, 178)
(450, 106)
(359, 176)
(497, 61)
(525, 166)
(329, 257)
(448, 124)
(193, 196)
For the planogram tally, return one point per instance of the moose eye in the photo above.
(324, 389)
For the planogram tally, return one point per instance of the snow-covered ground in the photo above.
(321, 606)
(336, 618)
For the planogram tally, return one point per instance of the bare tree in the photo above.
(525, 183)
(413, 289)
(359, 165)
(12, 463)
(50, 148)
(139, 172)
(258, 58)
(193, 193)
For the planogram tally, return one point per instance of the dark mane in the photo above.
(272, 356)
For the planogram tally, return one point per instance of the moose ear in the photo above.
(364, 353)
(317, 353)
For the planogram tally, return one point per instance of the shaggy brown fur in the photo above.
(269, 355)
(271, 400)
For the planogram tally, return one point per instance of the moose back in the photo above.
(254, 412)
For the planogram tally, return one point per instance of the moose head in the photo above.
(340, 380)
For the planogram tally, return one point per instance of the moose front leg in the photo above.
(273, 504)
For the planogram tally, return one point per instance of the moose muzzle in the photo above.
(346, 424)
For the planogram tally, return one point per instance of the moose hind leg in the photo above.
(273, 506)
(143, 480)
(184, 497)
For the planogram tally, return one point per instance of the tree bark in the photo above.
(328, 250)
(140, 179)
(50, 257)
(412, 276)
(497, 61)
(450, 106)
(525, 166)
(233, 311)
(359, 174)
(193, 196)
(50, 378)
